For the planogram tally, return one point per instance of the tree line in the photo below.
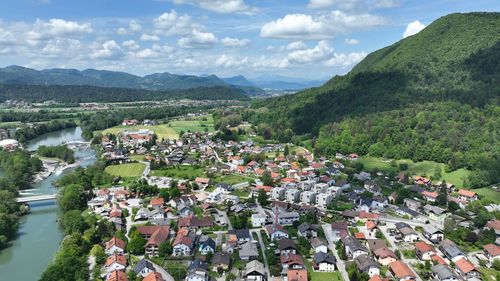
(59, 151)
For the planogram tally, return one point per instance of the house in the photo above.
(402, 271)
(288, 218)
(248, 251)
(297, 275)
(384, 255)
(443, 272)
(412, 204)
(143, 268)
(353, 247)
(159, 236)
(495, 225)
(278, 193)
(292, 195)
(430, 196)
(194, 222)
(116, 262)
(323, 200)
(153, 276)
(206, 245)
(255, 271)
(276, 232)
(308, 197)
(183, 243)
(287, 246)
(451, 250)
(339, 230)
(408, 234)
(466, 269)
(492, 252)
(307, 230)
(435, 213)
(197, 271)
(424, 251)
(116, 275)
(216, 195)
(324, 262)
(202, 182)
(157, 202)
(467, 195)
(115, 245)
(221, 261)
(291, 261)
(242, 235)
(433, 234)
(407, 213)
(366, 264)
(258, 220)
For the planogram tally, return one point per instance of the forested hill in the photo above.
(433, 96)
(82, 94)
(455, 58)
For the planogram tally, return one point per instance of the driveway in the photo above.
(166, 276)
(146, 171)
(263, 249)
(340, 263)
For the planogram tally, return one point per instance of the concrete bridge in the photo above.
(36, 198)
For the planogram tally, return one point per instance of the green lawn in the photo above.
(126, 170)
(137, 157)
(231, 179)
(182, 172)
(242, 193)
(489, 274)
(162, 131)
(423, 168)
(193, 125)
(489, 193)
(322, 276)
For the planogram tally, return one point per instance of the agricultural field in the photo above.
(181, 172)
(197, 124)
(162, 131)
(126, 170)
(424, 168)
(232, 179)
(489, 193)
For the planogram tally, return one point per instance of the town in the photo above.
(198, 208)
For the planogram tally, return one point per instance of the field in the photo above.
(193, 125)
(170, 130)
(489, 193)
(424, 168)
(322, 276)
(126, 170)
(162, 131)
(182, 172)
(232, 179)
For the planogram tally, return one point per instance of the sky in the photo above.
(303, 39)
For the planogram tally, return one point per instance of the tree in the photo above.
(165, 249)
(136, 244)
(72, 221)
(99, 254)
(73, 197)
(453, 206)
(267, 179)
(262, 198)
(286, 151)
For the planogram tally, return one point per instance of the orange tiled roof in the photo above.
(423, 247)
(438, 259)
(492, 249)
(117, 275)
(464, 265)
(115, 242)
(153, 276)
(297, 275)
(116, 258)
(466, 193)
(401, 269)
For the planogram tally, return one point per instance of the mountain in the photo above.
(433, 96)
(239, 80)
(102, 78)
(278, 82)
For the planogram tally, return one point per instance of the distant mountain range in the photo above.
(18, 75)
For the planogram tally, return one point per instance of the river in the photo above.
(39, 233)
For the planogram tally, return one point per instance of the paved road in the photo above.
(395, 247)
(340, 263)
(387, 218)
(263, 249)
(166, 276)
(146, 171)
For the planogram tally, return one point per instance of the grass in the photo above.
(423, 168)
(137, 157)
(242, 193)
(182, 172)
(489, 193)
(322, 276)
(231, 179)
(193, 125)
(126, 170)
(162, 131)
(489, 274)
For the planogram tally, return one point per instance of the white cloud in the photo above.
(7, 38)
(173, 24)
(134, 26)
(234, 42)
(301, 26)
(229, 61)
(62, 47)
(122, 31)
(413, 28)
(297, 45)
(348, 5)
(56, 28)
(198, 39)
(351, 41)
(321, 52)
(108, 50)
(220, 6)
(345, 60)
(131, 44)
(149, 37)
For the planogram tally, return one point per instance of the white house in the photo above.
(258, 220)
(308, 197)
(323, 200)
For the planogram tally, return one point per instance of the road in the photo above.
(387, 218)
(166, 276)
(395, 247)
(263, 249)
(340, 263)
(146, 171)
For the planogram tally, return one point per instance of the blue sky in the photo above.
(310, 39)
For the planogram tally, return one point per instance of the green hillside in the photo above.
(435, 93)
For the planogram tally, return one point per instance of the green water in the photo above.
(39, 234)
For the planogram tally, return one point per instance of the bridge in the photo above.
(36, 198)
